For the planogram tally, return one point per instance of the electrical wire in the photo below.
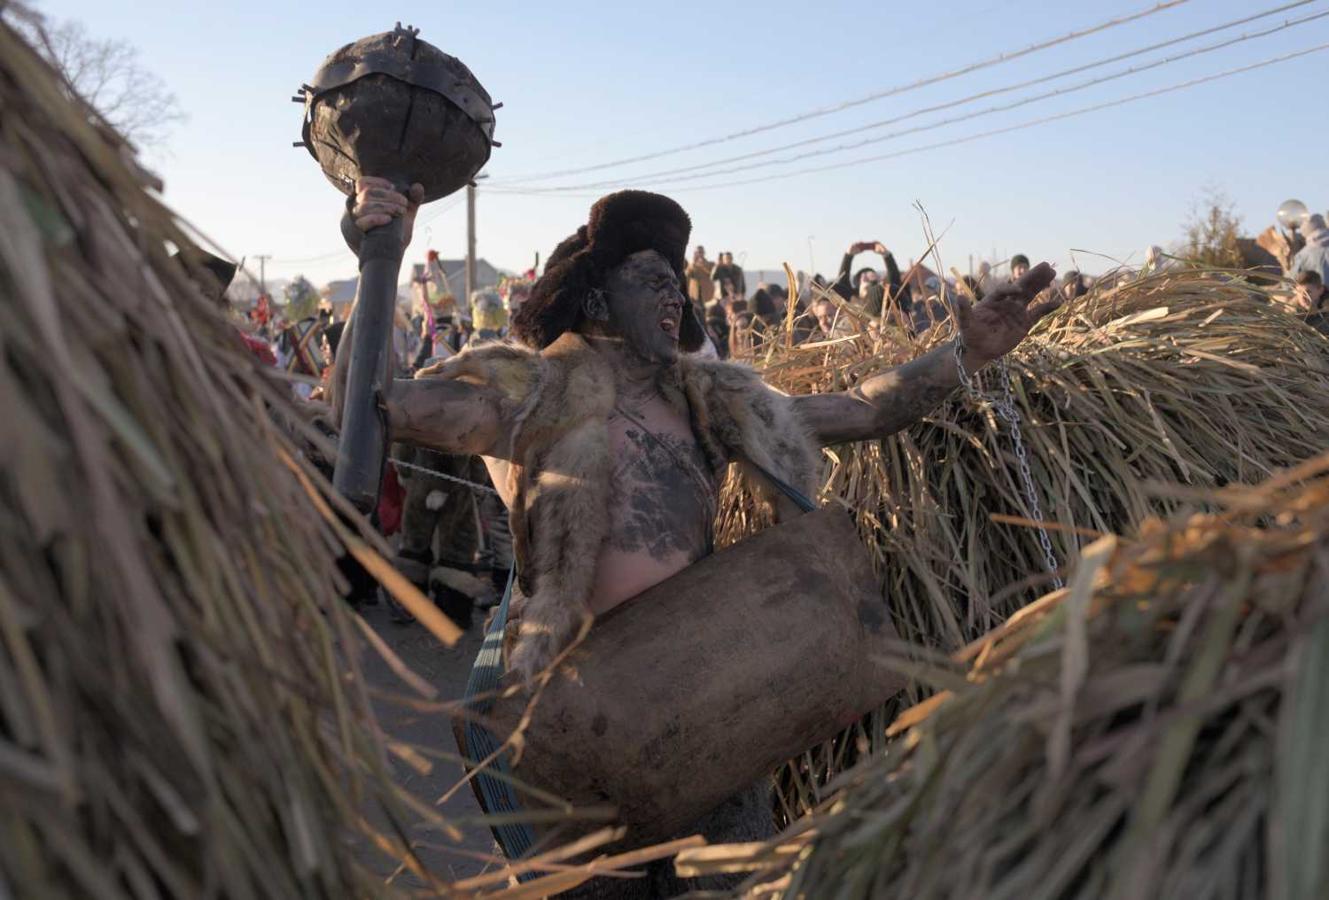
(1004, 130)
(702, 167)
(869, 98)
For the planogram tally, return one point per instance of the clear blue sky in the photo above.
(584, 83)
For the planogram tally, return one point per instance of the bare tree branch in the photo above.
(106, 74)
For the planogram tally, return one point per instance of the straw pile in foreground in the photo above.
(1182, 377)
(1157, 729)
(176, 715)
(1186, 376)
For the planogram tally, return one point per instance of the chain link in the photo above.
(1006, 410)
(446, 477)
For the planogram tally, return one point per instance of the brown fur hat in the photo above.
(620, 225)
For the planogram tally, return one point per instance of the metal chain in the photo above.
(1007, 412)
(446, 477)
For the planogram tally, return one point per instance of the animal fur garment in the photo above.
(620, 225)
(560, 400)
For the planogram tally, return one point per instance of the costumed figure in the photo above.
(609, 439)
(300, 345)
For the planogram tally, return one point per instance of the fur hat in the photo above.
(620, 225)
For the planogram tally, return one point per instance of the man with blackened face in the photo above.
(609, 437)
(644, 307)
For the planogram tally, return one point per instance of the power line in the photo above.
(701, 167)
(869, 98)
(1011, 128)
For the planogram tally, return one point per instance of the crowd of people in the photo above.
(869, 292)
(860, 296)
(918, 299)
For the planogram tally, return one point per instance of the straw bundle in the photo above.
(176, 715)
(1188, 376)
(1156, 729)
(1181, 377)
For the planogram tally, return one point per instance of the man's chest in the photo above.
(663, 490)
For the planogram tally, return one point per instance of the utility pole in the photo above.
(470, 242)
(470, 238)
(263, 271)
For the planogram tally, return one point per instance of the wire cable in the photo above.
(664, 178)
(713, 164)
(869, 98)
(1044, 120)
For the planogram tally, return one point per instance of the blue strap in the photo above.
(798, 497)
(498, 796)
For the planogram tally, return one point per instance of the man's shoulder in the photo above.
(725, 376)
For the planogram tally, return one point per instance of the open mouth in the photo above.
(669, 324)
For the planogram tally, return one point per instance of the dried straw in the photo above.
(182, 711)
(1156, 729)
(1186, 377)
(177, 717)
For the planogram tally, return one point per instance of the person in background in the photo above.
(1073, 285)
(1311, 293)
(972, 287)
(859, 285)
(764, 310)
(1314, 298)
(1019, 266)
(930, 310)
(740, 329)
(728, 278)
(717, 328)
(701, 287)
(1314, 257)
(987, 279)
(832, 322)
(488, 316)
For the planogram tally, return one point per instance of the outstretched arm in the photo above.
(893, 400)
(447, 415)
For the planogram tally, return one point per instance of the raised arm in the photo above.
(895, 293)
(893, 400)
(843, 284)
(441, 413)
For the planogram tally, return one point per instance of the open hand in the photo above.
(377, 202)
(993, 327)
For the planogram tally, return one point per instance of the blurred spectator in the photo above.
(1311, 294)
(1073, 285)
(701, 288)
(1314, 257)
(728, 278)
(859, 285)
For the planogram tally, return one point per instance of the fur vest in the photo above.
(558, 402)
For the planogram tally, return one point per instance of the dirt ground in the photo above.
(447, 669)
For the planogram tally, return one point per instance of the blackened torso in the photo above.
(662, 504)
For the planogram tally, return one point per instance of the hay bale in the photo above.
(1189, 377)
(177, 717)
(1157, 729)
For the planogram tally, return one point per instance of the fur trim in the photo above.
(620, 225)
(562, 464)
(738, 417)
